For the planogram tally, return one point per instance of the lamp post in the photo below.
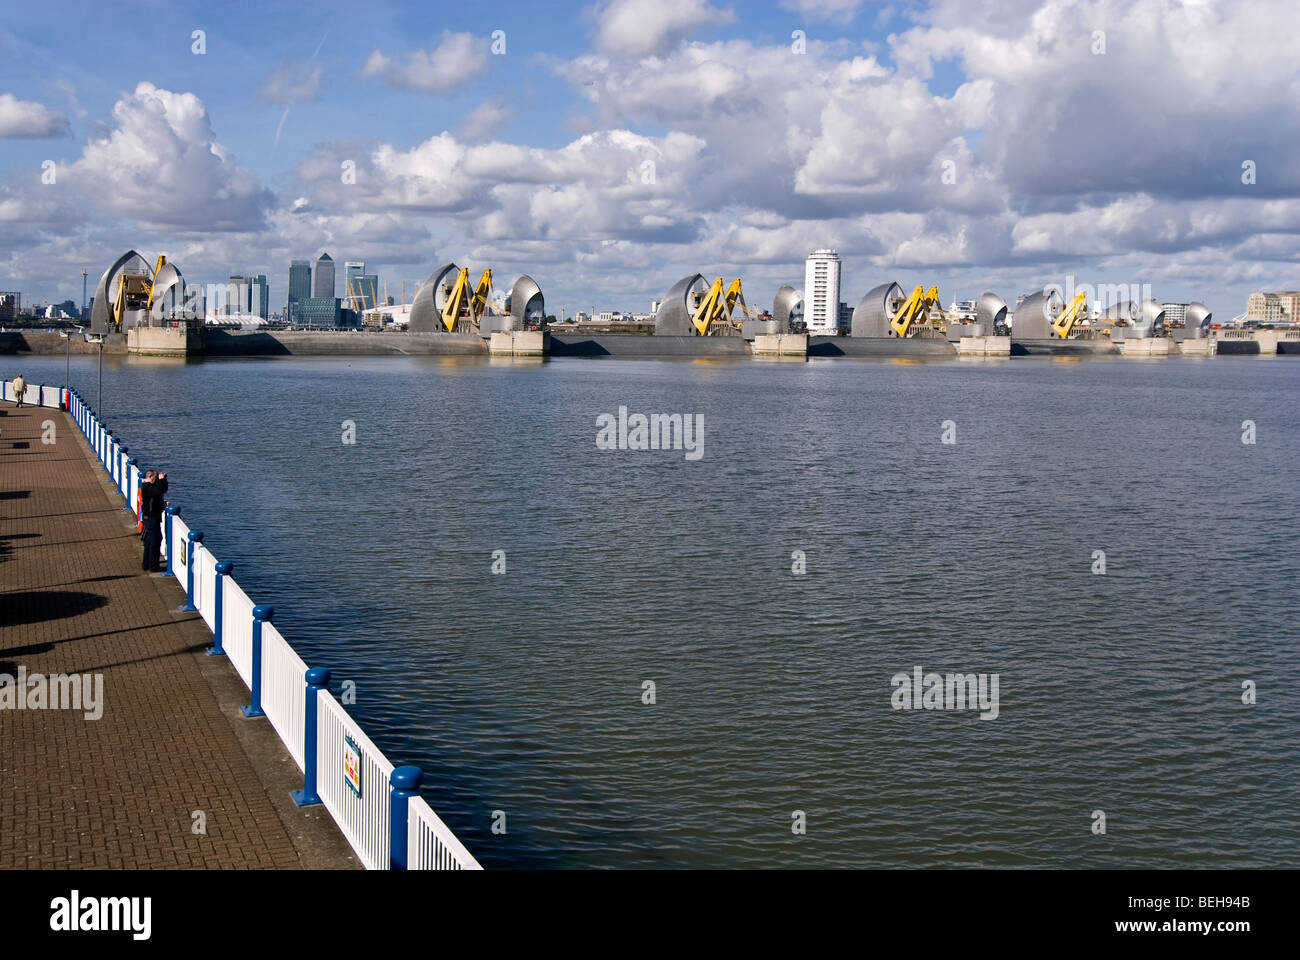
(99, 397)
(67, 356)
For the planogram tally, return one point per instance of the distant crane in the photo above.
(1063, 324)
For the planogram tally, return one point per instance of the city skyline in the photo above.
(609, 152)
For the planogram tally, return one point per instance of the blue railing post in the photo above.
(261, 614)
(224, 568)
(172, 511)
(406, 784)
(195, 537)
(130, 491)
(318, 679)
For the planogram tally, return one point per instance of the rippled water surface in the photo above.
(523, 692)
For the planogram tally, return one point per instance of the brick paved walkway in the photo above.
(119, 791)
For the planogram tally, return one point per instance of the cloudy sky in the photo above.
(609, 148)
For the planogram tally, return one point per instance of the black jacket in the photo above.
(151, 498)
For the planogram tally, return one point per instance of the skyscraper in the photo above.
(323, 285)
(259, 300)
(237, 297)
(360, 289)
(368, 287)
(822, 293)
(299, 286)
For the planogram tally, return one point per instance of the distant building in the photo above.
(963, 310)
(323, 282)
(237, 293)
(368, 287)
(1279, 307)
(11, 304)
(1263, 308)
(247, 296)
(299, 286)
(260, 300)
(318, 312)
(822, 292)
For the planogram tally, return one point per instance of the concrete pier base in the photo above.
(519, 343)
(1055, 347)
(1203, 347)
(184, 340)
(781, 345)
(984, 347)
(1145, 347)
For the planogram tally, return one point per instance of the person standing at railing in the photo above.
(20, 387)
(151, 514)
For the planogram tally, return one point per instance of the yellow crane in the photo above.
(466, 304)
(717, 304)
(1063, 324)
(134, 290)
(162, 262)
(916, 308)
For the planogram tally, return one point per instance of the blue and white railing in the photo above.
(377, 806)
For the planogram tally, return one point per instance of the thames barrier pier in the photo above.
(151, 767)
(170, 754)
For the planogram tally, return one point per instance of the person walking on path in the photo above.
(20, 387)
(151, 512)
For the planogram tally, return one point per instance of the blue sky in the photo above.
(1123, 166)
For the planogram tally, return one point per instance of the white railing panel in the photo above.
(181, 560)
(284, 690)
(430, 844)
(205, 585)
(237, 629)
(133, 485)
(363, 819)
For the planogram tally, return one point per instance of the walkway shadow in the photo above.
(195, 648)
(15, 494)
(6, 548)
(37, 606)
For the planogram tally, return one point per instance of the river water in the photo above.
(524, 692)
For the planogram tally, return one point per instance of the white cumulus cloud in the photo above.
(26, 119)
(162, 165)
(457, 58)
(642, 28)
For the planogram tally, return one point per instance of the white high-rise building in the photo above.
(821, 293)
